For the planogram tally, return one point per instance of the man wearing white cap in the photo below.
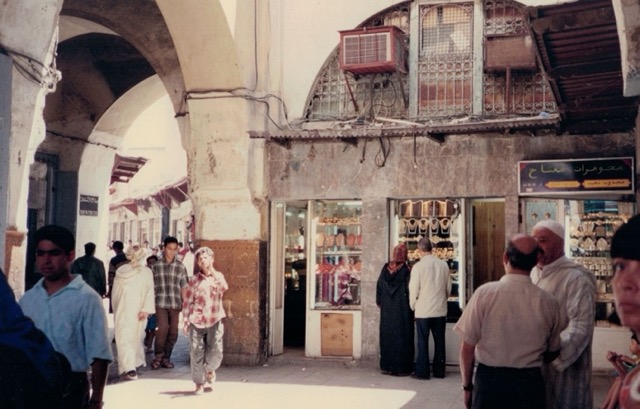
(568, 376)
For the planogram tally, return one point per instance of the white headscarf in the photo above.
(136, 257)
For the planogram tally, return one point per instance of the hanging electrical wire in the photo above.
(383, 153)
(244, 93)
(47, 76)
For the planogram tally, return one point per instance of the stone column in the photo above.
(375, 251)
(229, 220)
(27, 28)
(5, 149)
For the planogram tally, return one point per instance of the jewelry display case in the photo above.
(591, 225)
(441, 222)
(336, 248)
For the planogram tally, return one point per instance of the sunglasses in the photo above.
(52, 252)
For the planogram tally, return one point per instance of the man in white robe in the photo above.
(133, 300)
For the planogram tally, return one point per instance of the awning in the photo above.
(169, 196)
(124, 168)
(435, 132)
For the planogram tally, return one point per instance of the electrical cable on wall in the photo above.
(233, 93)
(47, 76)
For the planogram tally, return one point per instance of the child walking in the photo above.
(202, 312)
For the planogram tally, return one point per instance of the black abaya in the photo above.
(396, 321)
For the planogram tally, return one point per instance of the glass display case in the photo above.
(441, 222)
(335, 251)
(589, 229)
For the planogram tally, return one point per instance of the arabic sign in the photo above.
(608, 175)
(88, 205)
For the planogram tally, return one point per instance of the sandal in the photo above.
(167, 364)
(155, 364)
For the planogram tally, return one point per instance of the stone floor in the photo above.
(290, 381)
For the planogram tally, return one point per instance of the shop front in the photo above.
(335, 218)
(317, 257)
(591, 198)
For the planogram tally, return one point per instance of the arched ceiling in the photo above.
(141, 24)
(97, 69)
(106, 50)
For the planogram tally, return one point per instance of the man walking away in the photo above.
(91, 269)
(509, 325)
(429, 289)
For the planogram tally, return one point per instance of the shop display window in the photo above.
(336, 247)
(589, 229)
(441, 222)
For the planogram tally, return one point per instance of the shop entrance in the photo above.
(488, 239)
(288, 292)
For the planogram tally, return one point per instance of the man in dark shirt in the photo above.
(115, 262)
(91, 269)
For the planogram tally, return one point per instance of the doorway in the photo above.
(488, 239)
(288, 276)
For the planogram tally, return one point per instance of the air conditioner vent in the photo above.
(373, 50)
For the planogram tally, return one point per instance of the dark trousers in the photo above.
(437, 327)
(167, 332)
(76, 396)
(508, 388)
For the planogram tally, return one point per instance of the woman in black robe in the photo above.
(396, 317)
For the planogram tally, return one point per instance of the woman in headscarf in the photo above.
(396, 317)
(133, 300)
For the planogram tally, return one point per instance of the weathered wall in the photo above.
(243, 263)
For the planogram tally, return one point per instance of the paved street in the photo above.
(289, 381)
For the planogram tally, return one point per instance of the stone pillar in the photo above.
(228, 219)
(5, 149)
(27, 27)
(225, 169)
(512, 216)
(375, 251)
(243, 263)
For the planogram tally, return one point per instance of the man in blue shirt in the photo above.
(71, 314)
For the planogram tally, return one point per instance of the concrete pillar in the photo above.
(5, 148)
(375, 230)
(27, 29)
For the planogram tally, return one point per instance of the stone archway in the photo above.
(197, 58)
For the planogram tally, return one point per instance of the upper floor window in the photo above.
(446, 78)
(445, 63)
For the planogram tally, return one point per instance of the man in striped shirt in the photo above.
(567, 377)
(202, 312)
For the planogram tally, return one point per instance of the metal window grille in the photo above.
(530, 94)
(330, 98)
(383, 95)
(504, 17)
(445, 67)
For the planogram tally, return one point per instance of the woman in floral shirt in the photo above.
(202, 312)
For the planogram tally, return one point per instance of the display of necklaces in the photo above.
(432, 218)
(445, 226)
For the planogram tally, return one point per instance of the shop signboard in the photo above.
(556, 177)
(88, 205)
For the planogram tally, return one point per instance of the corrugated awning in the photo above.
(580, 51)
(436, 132)
(125, 167)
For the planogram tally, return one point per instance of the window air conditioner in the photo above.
(372, 50)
